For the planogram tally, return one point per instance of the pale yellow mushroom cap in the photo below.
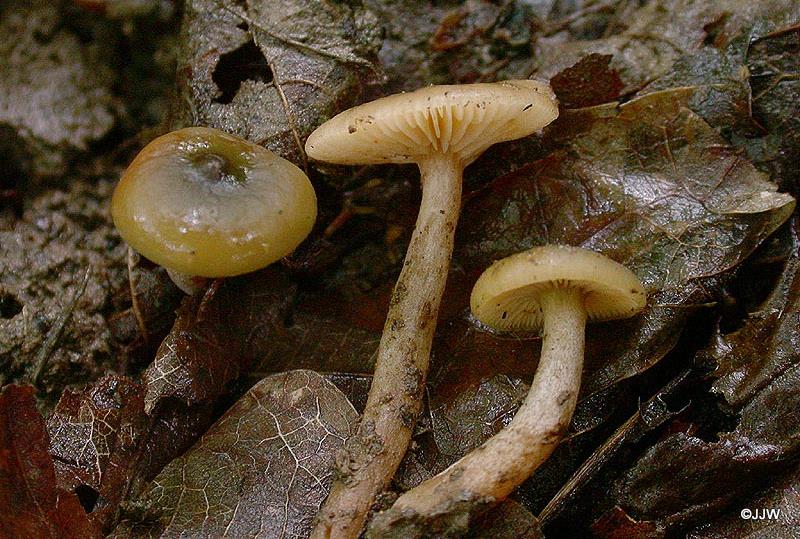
(205, 203)
(462, 120)
(505, 297)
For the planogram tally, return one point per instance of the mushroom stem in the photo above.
(189, 284)
(370, 458)
(493, 470)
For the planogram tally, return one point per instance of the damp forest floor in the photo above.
(128, 409)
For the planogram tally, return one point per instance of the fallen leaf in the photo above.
(652, 186)
(682, 478)
(509, 520)
(262, 470)
(216, 338)
(272, 71)
(774, 66)
(664, 484)
(660, 32)
(106, 447)
(765, 347)
(31, 505)
(94, 437)
(587, 83)
(773, 513)
(616, 524)
(719, 81)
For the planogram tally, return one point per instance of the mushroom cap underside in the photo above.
(505, 297)
(462, 120)
(206, 203)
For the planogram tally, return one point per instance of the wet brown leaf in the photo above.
(773, 513)
(616, 524)
(774, 65)
(261, 471)
(216, 337)
(765, 347)
(326, 343)
(651, 185)
(683, 478)
(589, 82)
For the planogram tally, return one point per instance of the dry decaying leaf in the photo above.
(270, 71)
(106, 448)
(94, 437)
(679, 117)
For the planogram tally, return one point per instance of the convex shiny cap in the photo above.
(206, 203)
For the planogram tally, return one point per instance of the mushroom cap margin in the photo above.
(505, 297)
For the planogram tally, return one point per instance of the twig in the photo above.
(137, 312)
(603, 454)
(57, 330)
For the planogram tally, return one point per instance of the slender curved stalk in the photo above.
(493, 470)
(370, 458)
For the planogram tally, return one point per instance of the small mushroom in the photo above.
(555, 289)
(442, 129)
(201, 202)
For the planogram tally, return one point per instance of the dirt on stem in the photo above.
(370, 459)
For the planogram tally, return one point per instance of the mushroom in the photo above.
(555, 289)
(203, 203)
(442, 129)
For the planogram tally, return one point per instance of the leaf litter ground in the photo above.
(670, 166)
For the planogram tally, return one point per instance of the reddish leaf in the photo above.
(587, 83)
(104, 443)
(94, 438)
(31, 505)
